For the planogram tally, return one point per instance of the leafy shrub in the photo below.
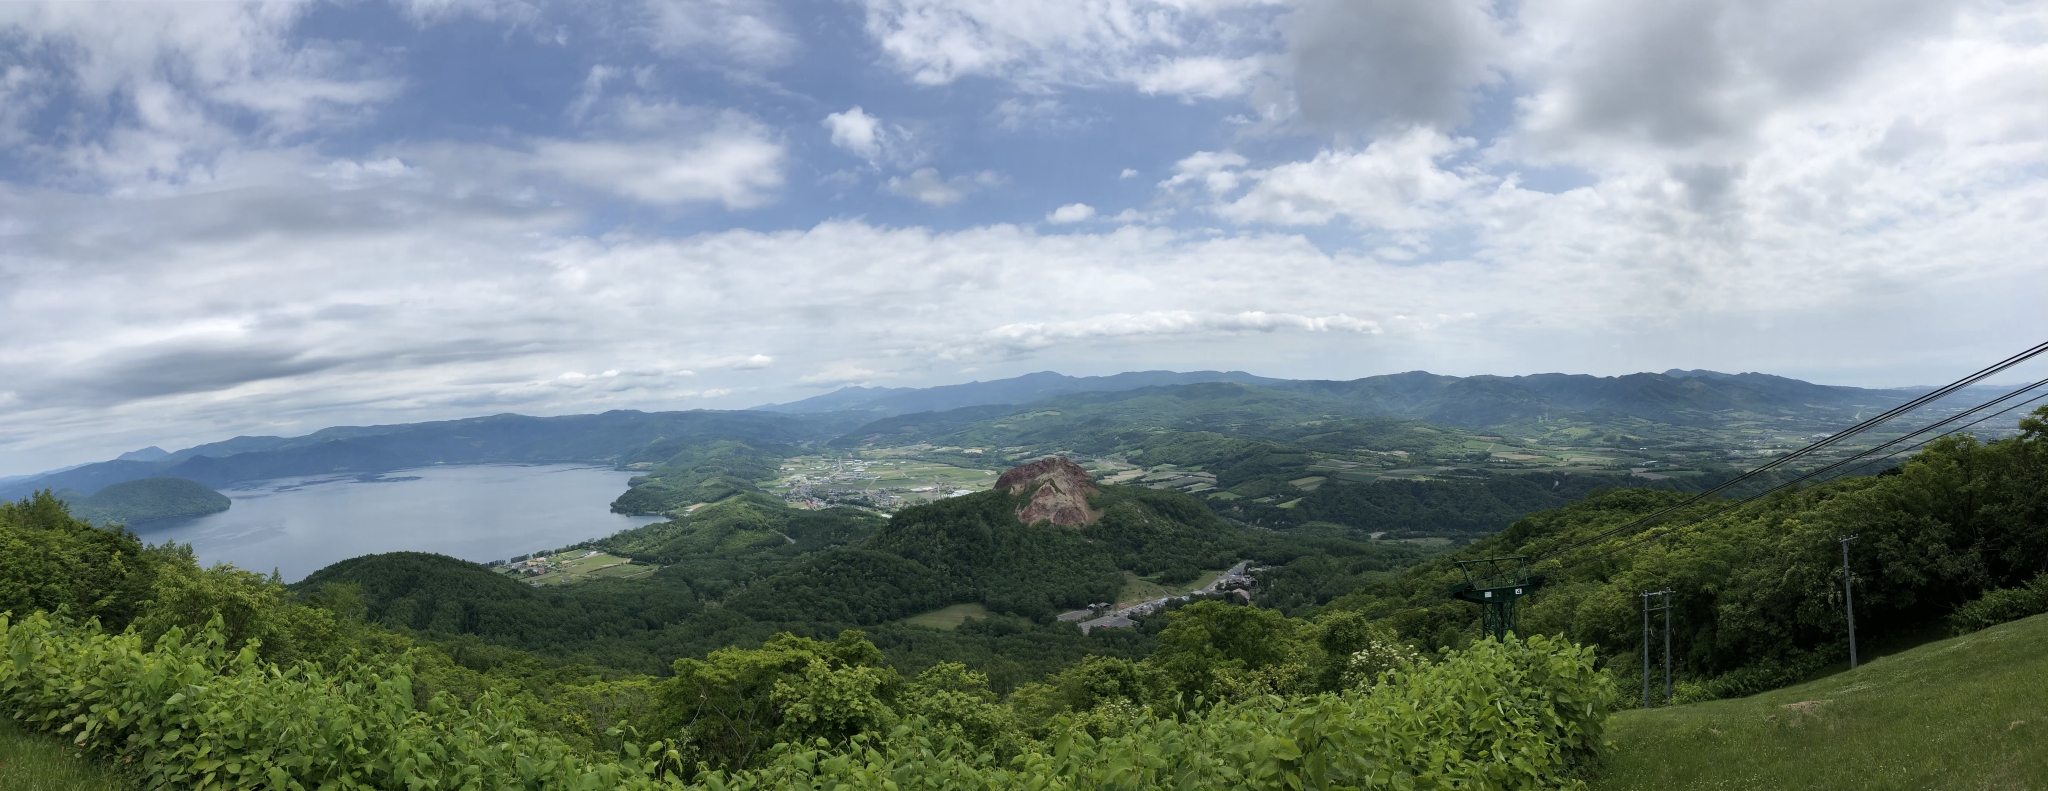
(1514, 715)
(191, 714)
(2001, 605)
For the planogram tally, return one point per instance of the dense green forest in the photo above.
(145, 499)
(1956, 538)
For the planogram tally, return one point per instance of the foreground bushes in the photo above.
(1520, 715)
(190, 713)
(2000, 606)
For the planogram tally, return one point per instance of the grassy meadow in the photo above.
(41, 762)
(1964, 713)
(948, 618)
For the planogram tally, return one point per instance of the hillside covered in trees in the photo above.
(145, 499)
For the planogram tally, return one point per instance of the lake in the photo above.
(476, 512)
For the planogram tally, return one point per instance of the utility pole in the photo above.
(1666, 607)
(1849, 600)
(1646, 649)
(1667, 646)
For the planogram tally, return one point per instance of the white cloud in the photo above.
(1201, 77)
(1031, 336)
(839, 374)
(748, 33)
(1396, 183)
(181, 80)
(856, 131)
(171, 276)
(926, 186)
(1215, 170)
(1128, 172)
(1071, 213)
(669, 155)
(1177, 48)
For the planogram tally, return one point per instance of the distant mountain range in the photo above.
(611, 437)
(1200, 400)
(891, 401)
(1676, 396)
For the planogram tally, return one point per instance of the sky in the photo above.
(227, 218)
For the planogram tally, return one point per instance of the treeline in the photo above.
(1957, 537)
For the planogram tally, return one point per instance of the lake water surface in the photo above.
(475, 512)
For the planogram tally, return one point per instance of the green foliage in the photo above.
(249, 608)
(149, 498)
(1215, 650)
(1521, 715)
(51, 561)
(704, 472)
(1759, 590)
(737, 702)
(2001, 605)
(192, 713)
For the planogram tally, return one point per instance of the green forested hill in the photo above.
(1758, 599)
(149, 498)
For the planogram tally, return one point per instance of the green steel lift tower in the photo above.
(1495, 584)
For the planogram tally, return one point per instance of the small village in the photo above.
(564, 566)
(881, 485)
(1237, 581)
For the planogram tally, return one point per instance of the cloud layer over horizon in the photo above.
(267, 218)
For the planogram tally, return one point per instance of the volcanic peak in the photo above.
(1059, 491)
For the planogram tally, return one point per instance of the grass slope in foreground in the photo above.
(1965, 713)
(42, 762)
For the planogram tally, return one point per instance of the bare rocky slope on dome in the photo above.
(1055, 489)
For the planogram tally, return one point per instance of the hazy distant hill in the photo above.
(1095, 423)
(1676, 397)
(1016, 390)
(609, 437)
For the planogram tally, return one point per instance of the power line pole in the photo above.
(1646, 649)
(1667, 646)
(1647, 609)
(1849, 600)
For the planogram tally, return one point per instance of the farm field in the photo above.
(1967, 712)
(881, 480)
(575, 566)
(948, 618)
(1140, 589)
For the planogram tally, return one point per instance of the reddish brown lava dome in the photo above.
(1059, 491)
